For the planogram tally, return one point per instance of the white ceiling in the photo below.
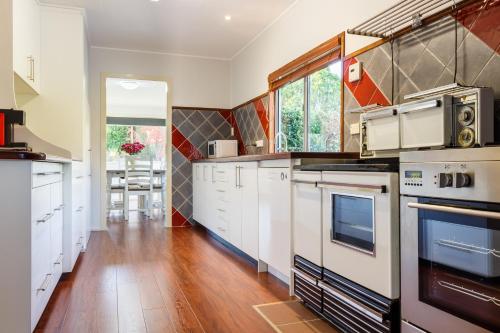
(148, 100)
(189, 27)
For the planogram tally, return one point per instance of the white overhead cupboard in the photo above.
(26, 48)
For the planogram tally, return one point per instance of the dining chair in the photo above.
(139, 181)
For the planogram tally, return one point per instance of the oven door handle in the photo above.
(456, 210)
(353, 303)
(305, 182)
(356, 187)
(420, 106)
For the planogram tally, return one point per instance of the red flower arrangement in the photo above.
(132, 148)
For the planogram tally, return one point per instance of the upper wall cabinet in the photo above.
(26, 46)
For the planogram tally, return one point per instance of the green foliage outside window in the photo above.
(323, 111)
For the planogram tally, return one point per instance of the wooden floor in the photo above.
(141, 277)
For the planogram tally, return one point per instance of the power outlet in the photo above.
(354, 129)
(259, 143)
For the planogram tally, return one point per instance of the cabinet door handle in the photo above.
(45, 283)
(213, 177)
(59, 208)
(45, 218)
(32, 69)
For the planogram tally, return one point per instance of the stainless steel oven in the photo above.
(450, 240)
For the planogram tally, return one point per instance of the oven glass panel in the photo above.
(352, 221)
(459, 262)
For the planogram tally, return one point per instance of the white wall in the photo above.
(192, 82)
(7, 100)
(304, 26)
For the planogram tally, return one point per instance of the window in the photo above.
(309, 112)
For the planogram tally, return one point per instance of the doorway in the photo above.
(135, 149)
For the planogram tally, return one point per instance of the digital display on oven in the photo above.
(413, 174)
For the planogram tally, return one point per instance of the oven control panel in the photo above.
(454, 180)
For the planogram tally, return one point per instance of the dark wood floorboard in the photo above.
(141, 277)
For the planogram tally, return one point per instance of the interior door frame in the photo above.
(102, 147)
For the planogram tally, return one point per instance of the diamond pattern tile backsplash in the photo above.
(425, 59)
(252, 120)
(191, 130)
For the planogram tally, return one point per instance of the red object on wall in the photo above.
(2, 129)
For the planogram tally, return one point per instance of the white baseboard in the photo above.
(278, 274)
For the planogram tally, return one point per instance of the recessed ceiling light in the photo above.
(129, 85)
(227, 17)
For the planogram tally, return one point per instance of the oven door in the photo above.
(450, 264)
(426, 123)
(360, 231)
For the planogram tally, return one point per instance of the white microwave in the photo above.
(222, 148)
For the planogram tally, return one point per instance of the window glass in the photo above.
(291, 116)
(324, 109)
(313, 103)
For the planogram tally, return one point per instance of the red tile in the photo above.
(487, 25)
(365, 91)
(178, 220)
(263, 116)
(177, 137)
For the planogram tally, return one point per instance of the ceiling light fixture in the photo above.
(154, 0)
(227, 17)
(129, 85)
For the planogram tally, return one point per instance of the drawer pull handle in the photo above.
(59, 260)
(221, 191)
(79, 209)
(221, 210)
(59, 208)
(45, 283)
(45, 218)
(47, 173)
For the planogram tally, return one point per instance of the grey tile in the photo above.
(185, 189)
(427, 71)
(177, 118)
(365, 58)
(185, 169)
(177, 158)
(379, 64)
(407, 50)
(186, 209)
(206, 130)
(490, 75)
(385, 84)
(177, 179)
(473, 55)
(177, 199)
(197, 139)
(225, 130)
(407, 87)
(442, 39)
(445, 78)
(196, 118)
(186, 128)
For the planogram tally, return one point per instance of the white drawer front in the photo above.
(56, 196)
(45, 173)
(40, 210)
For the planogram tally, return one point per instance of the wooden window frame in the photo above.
(316, 59)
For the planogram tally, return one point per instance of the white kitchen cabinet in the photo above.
(306, 216)
(26, 48)
(274, 218)
(75, 224)
(196, 191)
(249, 208)
(31, 206)
(225, 201)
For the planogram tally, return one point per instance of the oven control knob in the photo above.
(462, 180)
(445, 180)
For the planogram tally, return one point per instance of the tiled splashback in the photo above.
(191, 130)
(424, 59)
(252, 119)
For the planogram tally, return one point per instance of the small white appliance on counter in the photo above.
(449, 116)
(450, 240)
(346, 243)
(222, 148)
